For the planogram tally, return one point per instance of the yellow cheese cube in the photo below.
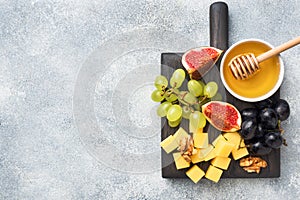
(179, 134)
(242, 145)
(223, 148)
(234, 138)
(220, 137)
(213, 173)
(195, 173)
(199, 130)
(180, 162)
(200, 140)
(221, 162)
(237, 154)
(196, 158)
(204, 152)
(212, 154)
(169, 144)
(195, 130)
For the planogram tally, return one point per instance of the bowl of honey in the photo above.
(261, 85)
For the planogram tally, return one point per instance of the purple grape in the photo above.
(273, 139)
(282, 109)
(249, 113)
(248, 129)
(259, 148)
(268, 118)
(260, 131)
(267, 103)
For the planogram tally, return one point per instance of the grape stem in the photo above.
(284, 142)
(174, 92)
(183, 102)
(181, 99)
(203, 99)
(279, 127)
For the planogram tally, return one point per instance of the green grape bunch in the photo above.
(177, 104)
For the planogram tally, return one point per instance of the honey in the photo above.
(261, 82)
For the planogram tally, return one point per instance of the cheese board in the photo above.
(172, 61)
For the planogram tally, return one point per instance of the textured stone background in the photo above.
(44, 43)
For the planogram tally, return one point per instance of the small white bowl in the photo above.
(263, 96)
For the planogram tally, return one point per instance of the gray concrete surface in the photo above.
(45, 46)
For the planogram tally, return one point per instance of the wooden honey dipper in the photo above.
(245, 65)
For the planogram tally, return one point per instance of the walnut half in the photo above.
(186, 148)
(253, 164)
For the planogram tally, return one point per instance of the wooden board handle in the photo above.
(278, 49)
(218, 19)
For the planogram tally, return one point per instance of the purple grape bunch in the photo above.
(261, 125)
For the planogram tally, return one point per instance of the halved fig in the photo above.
(223, 116)
(200, 60)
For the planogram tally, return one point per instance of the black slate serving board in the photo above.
(172, 61)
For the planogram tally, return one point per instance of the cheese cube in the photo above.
(237, 154)
(220, 137)
(196, 158)
(179, 134)
(199, 130)
(213, 173)
(195, 173)
(180, 162)
(223, 148)
(221, 162)
(242, 145)
(235, 139)
(192, 129)
(212, 154)
(206, 151)
(169, 144)
(200, 140)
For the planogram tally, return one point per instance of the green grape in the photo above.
(174, 83)
(179, 74)
(175, 123)
(217, 97)
(171, 98)
(174, 113)
(161, 82)
(176, 90)
(202, 121)
(186, 111)
(188, 97)
(177, 78)
(210, 89)
(197, 120)
(157, 96)
(195, 88)
(194, 118)
(167, 93)
(202, 84)
(163, 108)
